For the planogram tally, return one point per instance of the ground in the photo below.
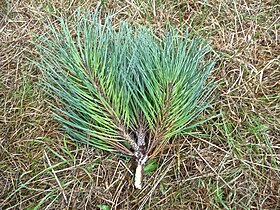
(230, 162)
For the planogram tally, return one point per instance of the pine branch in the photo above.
(124, 90)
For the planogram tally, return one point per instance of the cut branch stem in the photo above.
(139, 175)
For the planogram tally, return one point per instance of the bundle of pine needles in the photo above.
(124, 89)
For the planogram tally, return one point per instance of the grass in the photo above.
(231, 162)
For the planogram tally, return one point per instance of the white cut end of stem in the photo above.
(138, 176)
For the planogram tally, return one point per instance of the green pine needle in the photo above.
(124, 90)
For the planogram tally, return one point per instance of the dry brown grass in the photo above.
(230, 163)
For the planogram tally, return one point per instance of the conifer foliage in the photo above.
(123, 89)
